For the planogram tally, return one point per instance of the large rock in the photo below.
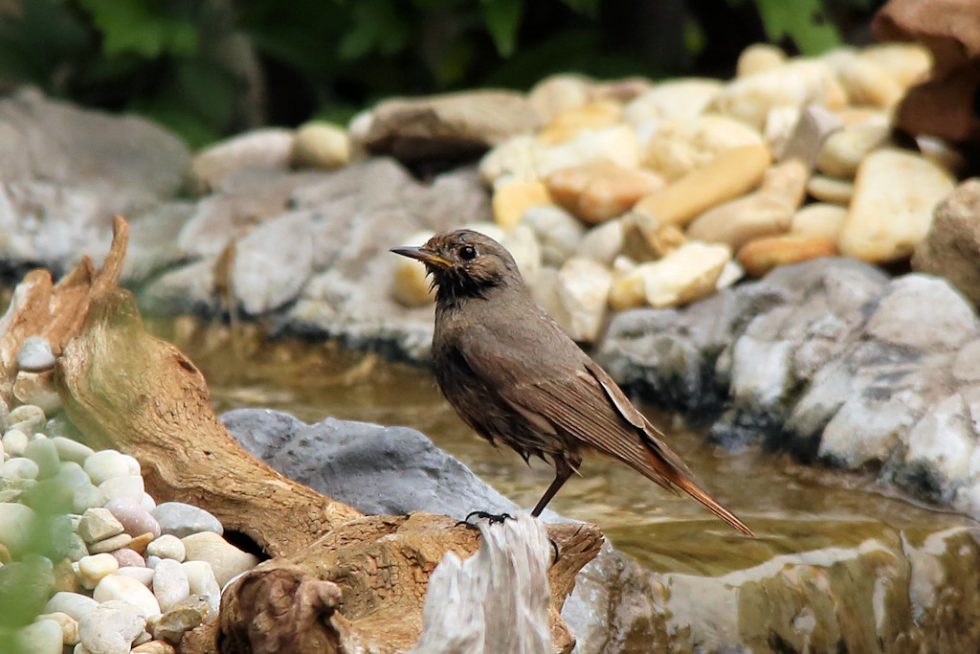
(952, 247)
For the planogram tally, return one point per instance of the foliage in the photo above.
(210, 67)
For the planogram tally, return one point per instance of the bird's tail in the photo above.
(692, 489)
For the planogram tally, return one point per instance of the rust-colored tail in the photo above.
(709, 503)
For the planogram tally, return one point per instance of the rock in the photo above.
(557, 231)
(44, 453)
(71, 450)
(411, 285)
(139, 543)
(672, 99)
(133, 517)
(766, 212)
(780, 124)
(104, 465)
(893, 321)
(617, 145)
(515, 159)
(759, 256)
(679, 146)
(819, 221)
(74, 605)
(603, 243)
(225, 559)
(110, 628)
(828, 189)
(170, 585)
(268, 148)
(686, 274)
(894, 196)
(453, 125)
(952, 246)
(15, 442)
(795, 84)
(321, 145)
(728, 176)
(154, 647)
(92, 569)
(19, 468)
(142, 574)
(512, 199)
(558, 93)
(129, 591)
(202, 583)
(167, 547)
(86, 496)
(759, 58)
(128, 558)
(35, 354)
(867, 83)
(569, 123)
(66, 623)
(129, 487)
(37, 388)
(811, 130)
(41, 637)
(172, 624)
(843, 151)
(179, 519)
(523, 246)
(600, 191)
(30, 418)
(111, 544)
(583, 287)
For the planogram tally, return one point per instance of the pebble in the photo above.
(411, 285)
(128, 487)
(92, 569)
(111, 544)
(98, 524)
(759, 58)
(171, 625)
(818, 220)
(154, 647)
(866, 83)
(67, 624)
(141, 574)
(19, 468)
(75, 605)
(128, 590)
(226, 560)
(32, 417)
(41, 637)
(35, 354)
(679, 146)
(128, 558)
(830, 189)
(148, 502)
(201, 581)
(132, 464)
(139, 543)
(87, 497)
(167, 547)
(672, 99)
(512, 199)
(106, 464)
(170, 584)
(569, 123)
(617, 145)
(686, 274)
(321, 145)
(895, 194)
(269, 148)
(558, 93)
(599, 191)
(181, 519)
(45, 454)
(759, 256)
(133, 517)
(15, 442)
(906, 63)
(516, 158)
(37, 388)
(843, 151)
(557, 231)
(603, 242)
(583, 288)
(71, 450)
(110, 628)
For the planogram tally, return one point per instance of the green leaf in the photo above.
(141, 27)
(803, 21)
(377, 28)
(503, 18)
(585, 7)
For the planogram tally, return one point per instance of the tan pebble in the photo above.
(681, 145)
(68, 624)
(646, 238)
(688, 273)
(567, 124)
(862, 116)
(842, 152)
(762, 255)
(617, 144)
(516, 159)
(583, 288)
(600, 191)
(154, 647)
(819, 221)
(866, 83)
(829, 189)
(512, 199)
(672, 99)
(727, 176)
(110, 544)
(559, 93)
(321, 145)
(139, 543)
(411, 286)
(758, 58)
(906, 63)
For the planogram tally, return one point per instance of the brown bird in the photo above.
(513, 375)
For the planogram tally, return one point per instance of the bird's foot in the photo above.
(492, 518)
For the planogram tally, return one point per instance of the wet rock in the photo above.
(179, 519)
(268, 148)
(952, 246)
(321, 145)
(35, 355)
(225, 559)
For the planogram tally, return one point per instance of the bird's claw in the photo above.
(491, 518)
(554, 546)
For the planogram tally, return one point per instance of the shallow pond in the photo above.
(793, 507)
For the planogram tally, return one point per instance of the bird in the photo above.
(516, 378)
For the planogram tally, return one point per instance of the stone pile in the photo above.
(111, 571)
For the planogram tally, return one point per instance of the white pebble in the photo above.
(15, 442)
(170, 584)
(132, 464)
(167, 547)
(148, 502)
(128, 590)
(110, 628)
(41, 637)
(31, 416)
(98, 524)
(106, 464)
(201, 581)
(71, 450)
(35, 354)
(16, 523)
(68, 624)
(74, 604)
(130, 486)
(19, 468)
(92, 569)
(142, 575)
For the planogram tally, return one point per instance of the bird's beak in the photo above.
(423, 255)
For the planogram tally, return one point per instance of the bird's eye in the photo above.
(467, 253)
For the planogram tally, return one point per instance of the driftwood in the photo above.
(338, 581)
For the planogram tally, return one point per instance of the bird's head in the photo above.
(465, 263)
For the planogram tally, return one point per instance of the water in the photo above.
(792, 507)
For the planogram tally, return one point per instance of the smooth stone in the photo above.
(110, 544)
(830, 189)
(686, 274)
(780, 124)
(729, 175)
(323, 145)
(106, 464)
(895, 193)
(35, 354)
(133, 517)
(67, 624)
(671, 99)
(843, 151)
(569, 123)
(141, 574)
(148, 502)
(111, 628)
(617, 145)
(128, 558)
(952, 247)
(37, 388)
(72, 474)
(583, 288)
(87, 497)
(128, 487)
(269, 149)
(867, 84)
(679, 146)
(32, 416)
(167, 547)
(45, 454)
(19, 468)
(759, 58)
(411, 285)
(897, 319)
(819, 220)
(132, 464)
(201, 581)
(558, 232)
(170, 584)
(98, 524)
(906, 63)
(603, 243)
(15, 442)
(43, 636)
(71, 450)
(512, 199)
(92, 569)
(128, 590)
(558, 93)
(226, 560)
(761, 255)
(523, 246)
(139, 543)
(517, 158)
(75, 605)
(77, 549)
(152, 561)
(599, 191)
(154, 647)
(181, 519)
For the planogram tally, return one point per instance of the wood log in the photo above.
(339, 581)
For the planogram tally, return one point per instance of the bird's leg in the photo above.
(492, 518)
(562, 472)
